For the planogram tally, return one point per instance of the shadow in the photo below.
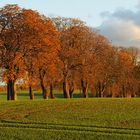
(38, 95)
(75, 95)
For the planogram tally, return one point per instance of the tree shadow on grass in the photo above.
(21, 95)
(60, 95)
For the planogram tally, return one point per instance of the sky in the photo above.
(118, 20)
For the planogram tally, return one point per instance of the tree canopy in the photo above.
(45, 51)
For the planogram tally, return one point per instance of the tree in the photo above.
(93, 56)
(125, 68)
(43, 47)
(136, 74)
(73, 43)
(104, 72)
(11, 58)
(64, 25)
(27, 39)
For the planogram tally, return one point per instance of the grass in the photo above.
(72, 119)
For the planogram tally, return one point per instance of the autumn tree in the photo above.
(48, 73)
(67, 53)
(135, 54)
(73, 41)
(46, 50)
(136, 74)
(11, 34)
(125, 68)
(42, 47)
(79, 47)
(26, 38)
(93, 53)
(104, 72)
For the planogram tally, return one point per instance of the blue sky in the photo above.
(116, 19)
(87, 10)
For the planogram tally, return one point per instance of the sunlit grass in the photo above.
(93, 118)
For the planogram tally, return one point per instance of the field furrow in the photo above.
(62, 127)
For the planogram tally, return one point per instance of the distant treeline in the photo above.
(45, 51)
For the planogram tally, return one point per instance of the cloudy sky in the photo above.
(119, 20)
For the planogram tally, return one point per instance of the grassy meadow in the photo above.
(69, 119)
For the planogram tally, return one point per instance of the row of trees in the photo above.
(43, 51)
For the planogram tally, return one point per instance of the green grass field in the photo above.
(71, 119)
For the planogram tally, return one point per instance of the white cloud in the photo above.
(138, 5)
(122, 27)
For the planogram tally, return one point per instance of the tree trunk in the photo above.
(11, 90)
(44, 90)
(31, 94)
(123, 91)
(65, 89)
(42, 73)
(51, 91)
(8, 91)
(101, 88)
(14, 95)
(84, 85)
(71, 89)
